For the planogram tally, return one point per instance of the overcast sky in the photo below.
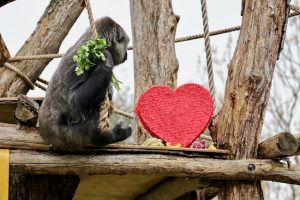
(19, 19)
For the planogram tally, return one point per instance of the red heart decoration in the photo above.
(178, 117)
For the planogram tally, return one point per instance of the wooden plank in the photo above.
(8, 106)
(4, 174)
(24, 161)
(12, 137)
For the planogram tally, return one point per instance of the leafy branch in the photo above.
(89, 53)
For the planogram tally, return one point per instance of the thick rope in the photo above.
(104, 112)
(34, 57)
(295, 8)
(106, 104)
(217, 32)
(180, 39)
(120, 112)
(91, 18)
(25, 78)
(208, 51)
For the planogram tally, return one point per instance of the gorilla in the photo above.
(69, 114)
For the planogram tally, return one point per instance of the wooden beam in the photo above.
(24, 161)
(14, 137)
(26, 138)
(51, 30)
(297, 136)
(281, 145)
(173, 188)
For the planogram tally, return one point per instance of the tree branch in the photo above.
(52, 28)
(23, 161)
(281, 145)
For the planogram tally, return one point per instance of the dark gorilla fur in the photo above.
(69, 115)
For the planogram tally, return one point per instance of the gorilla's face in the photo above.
(119, 46)
(116, 37)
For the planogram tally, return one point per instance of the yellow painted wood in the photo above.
(114, 187)
(4, 173)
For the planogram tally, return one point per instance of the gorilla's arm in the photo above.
(93, 86)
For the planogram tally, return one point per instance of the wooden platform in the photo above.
(29, 153)
(130, 171)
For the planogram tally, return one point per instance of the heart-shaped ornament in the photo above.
(177, 117)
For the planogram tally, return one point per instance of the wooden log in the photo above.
(153, 35)
(52, 28)
(297, 136)
(26, 111)
(173, 188)
(281, 145)
(8, 106)
(13, 137)
(4, 53)
(247, 90)
(24, 161)
(25, 138)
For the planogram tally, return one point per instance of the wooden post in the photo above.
(250, 73)
(281, 145)
(153, 33)
(125, 162)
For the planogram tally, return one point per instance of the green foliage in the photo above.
(89, 54)
(116, 82)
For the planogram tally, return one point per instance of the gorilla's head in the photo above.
(116, 37)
